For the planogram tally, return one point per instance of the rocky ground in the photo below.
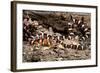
(35, 54)
(56, 24)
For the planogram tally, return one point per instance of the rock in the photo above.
(60, 46)
(35, 59)
(61, 51)
(59, 59)
(40, 27)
